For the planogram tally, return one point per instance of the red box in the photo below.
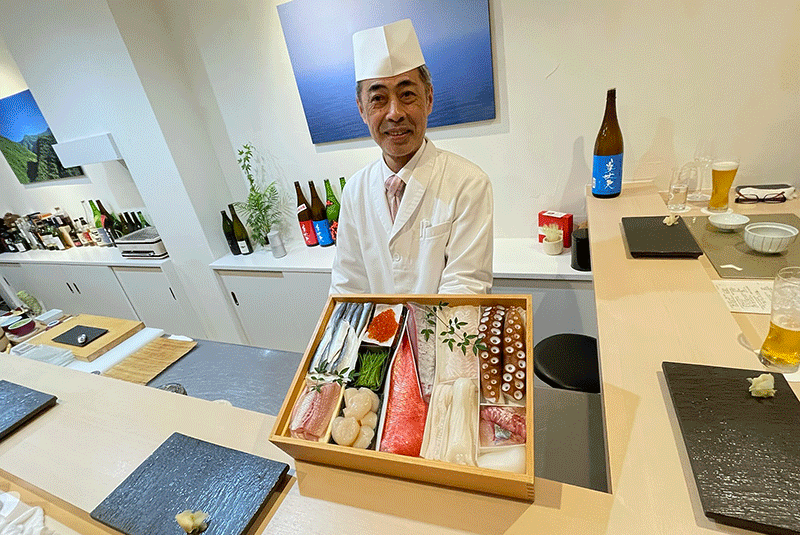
(560, 219)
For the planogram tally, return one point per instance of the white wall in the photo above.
(76, 63)
(683, 70)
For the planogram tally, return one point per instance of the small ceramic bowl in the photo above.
(729, 222)
(769, 238)
(22, 327)
(8, 321)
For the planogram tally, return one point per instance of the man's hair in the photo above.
(424, 75)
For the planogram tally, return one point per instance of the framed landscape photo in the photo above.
(455, 37)
(27, 142)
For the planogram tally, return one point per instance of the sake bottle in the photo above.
(319, 218)
(341, 182)
(607, 165)
(142, 219)
(332, 208)
(240, 233)
(304, 217)
(227, 229)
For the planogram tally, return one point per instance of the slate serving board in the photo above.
(72, 336)
(19, 404)
(650, 237)
(744, 451)
(187, 473)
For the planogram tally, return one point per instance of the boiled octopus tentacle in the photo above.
(513, 385)
(491, 359)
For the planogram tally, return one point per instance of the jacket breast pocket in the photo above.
(437, 231)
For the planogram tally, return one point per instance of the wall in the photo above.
(683, 70)
(75, 61)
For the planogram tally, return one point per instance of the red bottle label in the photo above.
(309, 235)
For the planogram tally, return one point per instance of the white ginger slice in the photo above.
(192, 522)
(762, 386)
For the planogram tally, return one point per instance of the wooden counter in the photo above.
(649, 311)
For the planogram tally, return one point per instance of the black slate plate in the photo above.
(71, 336)
(744, 451)
(19, 404)
(650, 237)
(187, 473)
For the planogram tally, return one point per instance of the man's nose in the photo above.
(396, 110)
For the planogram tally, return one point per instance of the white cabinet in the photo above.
(79, 289)
(156, 302)
(559, 306)
(277, 310)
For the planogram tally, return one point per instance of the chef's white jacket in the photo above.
(440, 242)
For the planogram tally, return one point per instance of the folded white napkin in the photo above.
(17, 518)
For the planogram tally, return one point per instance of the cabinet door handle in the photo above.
(70, 289)
(234, 299)
(173, 293)
(76, 288)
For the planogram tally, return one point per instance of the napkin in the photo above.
(17, 517)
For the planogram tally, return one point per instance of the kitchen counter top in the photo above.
(101, 256)
(514, 258)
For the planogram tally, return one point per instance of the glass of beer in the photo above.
(781, 349)
(723, 171)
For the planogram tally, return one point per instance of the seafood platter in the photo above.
(430, 388)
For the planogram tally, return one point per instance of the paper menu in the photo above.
(746, 295)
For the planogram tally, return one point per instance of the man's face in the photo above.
(396, 111)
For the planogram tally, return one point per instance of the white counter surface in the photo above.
(104, 256)
(514, 258)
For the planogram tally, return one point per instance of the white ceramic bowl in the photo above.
(729, 222)
(769, 237)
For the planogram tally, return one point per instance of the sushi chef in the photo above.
(419, 219)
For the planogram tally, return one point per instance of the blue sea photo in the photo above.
(454, 36)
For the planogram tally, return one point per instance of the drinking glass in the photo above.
(679, 186)
(723, 171)
(703, 157)
(781, 349)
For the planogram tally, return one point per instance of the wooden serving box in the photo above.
(470, 478)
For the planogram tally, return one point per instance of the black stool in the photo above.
(568, 361)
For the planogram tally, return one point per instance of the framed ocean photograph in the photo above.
(454, 35)
(27, 142)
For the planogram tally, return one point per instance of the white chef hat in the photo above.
(386, 50)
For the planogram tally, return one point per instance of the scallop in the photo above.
(345, 430)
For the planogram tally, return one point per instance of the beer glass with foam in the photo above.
(723, 171)
(781, 349)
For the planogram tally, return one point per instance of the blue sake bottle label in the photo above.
(323, 232)
(607, 174)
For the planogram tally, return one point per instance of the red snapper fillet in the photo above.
(406, 411)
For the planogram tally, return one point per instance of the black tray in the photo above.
(71, 336)
(744, 451)
(19, 404)
(187, 473)
(650, 237)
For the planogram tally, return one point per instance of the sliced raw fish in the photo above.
(404, 425)
(462, 439)
(425, 349)
(502, 426)
(455, 363)
(437, 428)
(313, 411)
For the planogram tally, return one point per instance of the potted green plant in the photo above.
(262, 208)
(553, 242)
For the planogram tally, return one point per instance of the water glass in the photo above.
(781, 349)
(679, 187)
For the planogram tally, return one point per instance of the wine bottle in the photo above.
(304, 217)
(319, 218)
(227, 229)
(332, 208)
(341, 182)
(97, 217)
(607, 165)
(142, 219)
(240, 233)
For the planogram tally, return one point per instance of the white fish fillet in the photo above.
(463, 423)
(426, 351)
(434, 441)
(452, 364)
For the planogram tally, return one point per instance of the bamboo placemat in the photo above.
(155, 357)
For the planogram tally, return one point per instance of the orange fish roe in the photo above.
(383, 326)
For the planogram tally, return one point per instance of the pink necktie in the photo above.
(394, 193)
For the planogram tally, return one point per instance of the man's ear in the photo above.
(430, 100)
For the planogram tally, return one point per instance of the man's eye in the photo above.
(376, 98)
